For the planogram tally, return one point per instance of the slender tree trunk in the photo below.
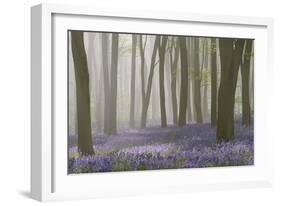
(113, 80)
(99, 90)
(167, 68)
(205, 101)
(245, 73)
(189, 100)
(154, 103)
(142, 55)
(252, 83)
(213, 82)
(94, 81)
(188, 107)
(85, 144)
(106, 86)
(184, 82)
(99, 110)
(147, 94)
(174, 65)
(162, 51)
(197, 82)
(231, 55)
(133, 79)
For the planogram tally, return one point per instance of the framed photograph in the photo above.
(137, 102)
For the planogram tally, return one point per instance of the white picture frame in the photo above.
(49, 178)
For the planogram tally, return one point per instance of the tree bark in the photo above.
(184, 82)
(197, 82)
(133, 79)
(142, 50)
(147, 93)
(245, 73)
(85, 144)
(213, 82)
(231, 55)
(106, 86)
(204, 72)
(174, 66)
(113, 85)
(162, 50)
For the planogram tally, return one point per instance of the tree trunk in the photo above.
(205, 79)
(162, 50)
(147, 94)
(106, 86)
(142, 50)
(213, 82)
(85, 144)
(245, 73)
(113, 81)
(174, 65)
(231, 55)
(133, 79)
(197, 82)
(99, 91)
(167, 68)
(184, 82)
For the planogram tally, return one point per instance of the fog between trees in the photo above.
(131, 81)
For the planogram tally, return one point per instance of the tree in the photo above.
(142, 55)
(184, 82)
(205, 78)
(106, 86)
(99, 94)
(174, 64)
(147, 93)
(162, 51)
(113, 85)
(213, 82)
(197, 82)
(85, 144)
(245, 73)
(230, 57)
(133, 79)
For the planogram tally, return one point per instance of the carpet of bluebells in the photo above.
(191, 146)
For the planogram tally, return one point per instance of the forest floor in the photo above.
(190, 146)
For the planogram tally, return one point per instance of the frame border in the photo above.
(42, 123)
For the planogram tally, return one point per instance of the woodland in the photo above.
(145, 102)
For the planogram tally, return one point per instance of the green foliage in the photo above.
(141, 167)
(179, 163)
(121, 165)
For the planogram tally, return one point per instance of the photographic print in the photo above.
(150, 102)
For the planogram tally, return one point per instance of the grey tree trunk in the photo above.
(167, 68)
(142, 55)
(162, 51)
(184, 82)
(197, 82)
(174, 65)
(133, 79)
(214, 87)
(85, 144)
(205, 80)
(245, 73)
(113, 84)
(106, 86)
(231, 55)
(147, 93)
(188, 109)
(99, 91)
